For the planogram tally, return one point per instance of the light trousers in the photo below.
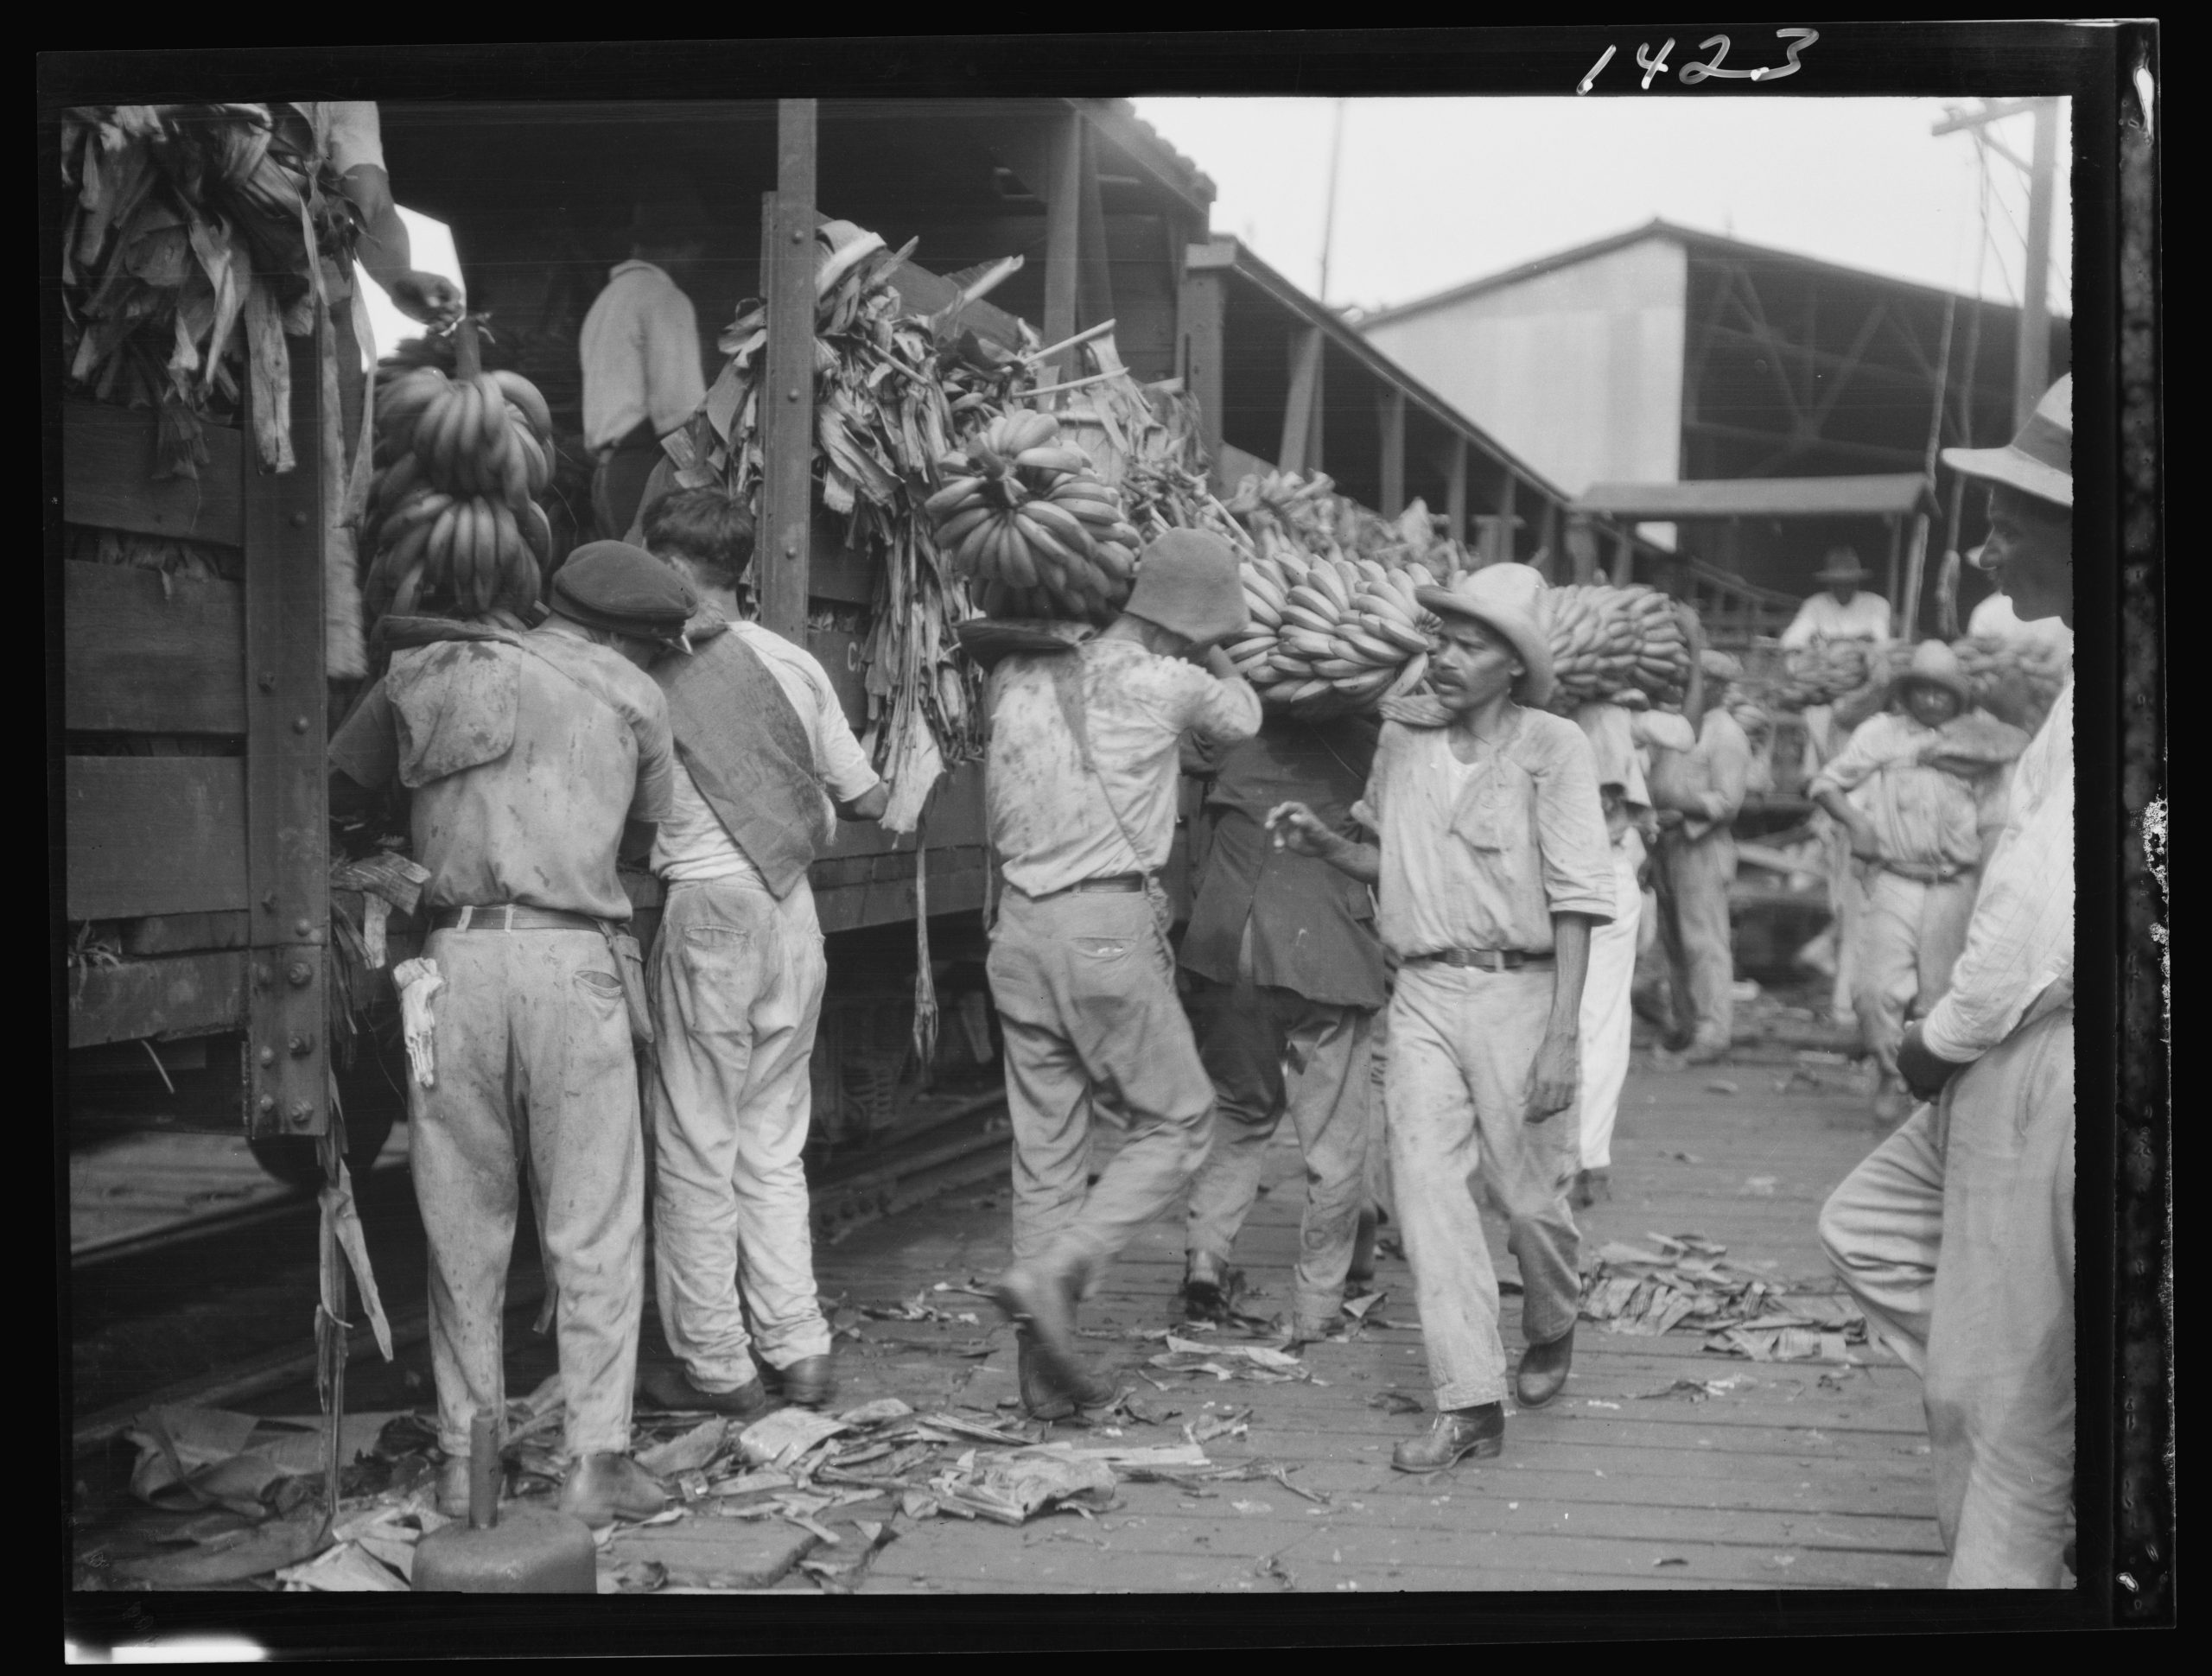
(1607, 1018)
(1271, 1054)
(1956, 1237)
(736, 986)
(1702, 870)
(533, 1061)
(1909, 936)
(1085, 991)
(1463, 1053)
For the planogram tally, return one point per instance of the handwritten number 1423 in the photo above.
(1694, 71)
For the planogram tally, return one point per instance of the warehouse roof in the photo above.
(1704, 243)
(1890, 495)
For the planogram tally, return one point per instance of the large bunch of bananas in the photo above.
(1827, 671)
(1329, 637)
(1605, 640)
(452, 517)
(1027, 517)
(2017, 681)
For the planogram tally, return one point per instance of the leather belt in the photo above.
(511, 916)
(1922, 873)
(1113, 881)
(1482, 960)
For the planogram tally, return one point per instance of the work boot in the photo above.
(452, 1487)
(1591, 1185)
(601, 1488)
(807, 1383)
(1207, 1290)
(1705, 1049)
(1044, 1398)
(664, 1387)
(1542, 1372)
(1044, 1304)
(1455, 1435)
(1313, 1332)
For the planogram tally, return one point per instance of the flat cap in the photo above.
(625, 590)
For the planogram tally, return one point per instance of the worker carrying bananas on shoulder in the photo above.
(1080, 788)
(766, 765)
(1920, 792)
(1491, 868)
(532, 757)
(1288, 975)
(1697, 794)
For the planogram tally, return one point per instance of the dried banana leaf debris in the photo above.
(1227, 1362)
(1013, 1487)
(1647, 1291)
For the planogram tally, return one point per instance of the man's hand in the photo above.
(1297, 828)
(869, 805)
(1923, 1072)
(1219, 665)
(1668, 819)
(430, 298)
(1553, 1083)
(1866, 843)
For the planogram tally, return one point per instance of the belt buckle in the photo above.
(1491, 960)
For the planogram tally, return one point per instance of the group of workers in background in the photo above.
(1456, 891)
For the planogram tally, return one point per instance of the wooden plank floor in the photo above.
(1802, 1476)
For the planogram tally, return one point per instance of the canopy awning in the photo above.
(1892, 495)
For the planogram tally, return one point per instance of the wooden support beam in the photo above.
(1095, 280)
(1624, 559)
(1301, 424)
(787, 464)
(1896, 561)
(1393, 419)
(2032, 364)
(286, 827)
(1916, 570)
(1201, 303)
(1455, 488)
(1547, 529)
(1507, 523)
(1063, 228)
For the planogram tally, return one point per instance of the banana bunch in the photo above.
(1605, 640)
(1826, 670)
(452, 517)
(2016, 680)
(1028, 516)
(1330, 637)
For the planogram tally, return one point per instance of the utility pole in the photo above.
(1329, 213)
(2032, 360)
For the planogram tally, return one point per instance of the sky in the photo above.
(1432, 191)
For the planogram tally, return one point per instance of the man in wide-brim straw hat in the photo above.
(1842, 610)
(1920, 790)
(1491, 864)
(1956, 1235)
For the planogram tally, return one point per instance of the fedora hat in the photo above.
(1841, 565)
(1503, 597)
(2039, 461)
(1934, 665)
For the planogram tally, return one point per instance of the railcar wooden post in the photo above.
(787, 283)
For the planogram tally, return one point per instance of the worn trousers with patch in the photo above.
(736, 986)
(533, 1063)
(1273, 1053)
(1607, 1017)
(1085, 992)
(1463, 1054)
(1956, 1237)
(1908, 936)
(1702, 870)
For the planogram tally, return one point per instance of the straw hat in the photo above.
(2039, 461)
(1187, 583)
(1934, 665)
(1504, 597)
(1841, 565)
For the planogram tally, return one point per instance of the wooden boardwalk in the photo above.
(1798, 1476)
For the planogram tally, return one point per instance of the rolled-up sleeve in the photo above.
(845, 767)
(655, 796)
(1218, 712)
(366, 749)
(668, 330)
(1576, 850)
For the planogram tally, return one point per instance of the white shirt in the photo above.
(1995, 618)
(2021, 943)
(1051, 824)
(351, 131)
(1866, 617)
(640, 351)
(692, 845)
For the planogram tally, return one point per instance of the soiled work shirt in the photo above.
(524, 761)
(639, 347)
(2019, 952)
(1866, 617)
(1310, 928)
(1920, 815)
(1051, 823)
(1482, 854)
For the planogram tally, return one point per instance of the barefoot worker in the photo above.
(1080, 790)
(1492, 866)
